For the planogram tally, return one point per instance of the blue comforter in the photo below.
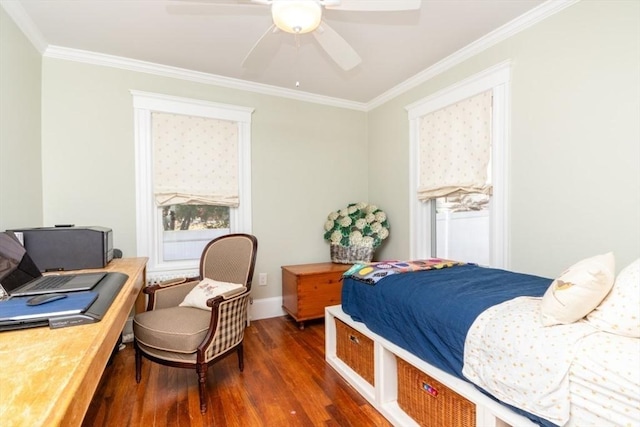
(429, 312)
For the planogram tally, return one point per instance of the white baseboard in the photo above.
(266, 308)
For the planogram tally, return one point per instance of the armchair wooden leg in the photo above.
(202, 384)
(138, 363)
(240, 357)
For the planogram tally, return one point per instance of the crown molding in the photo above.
(22, 20)
(15, 10)
(511, 28)
(94, 58)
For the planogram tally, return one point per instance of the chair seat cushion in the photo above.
(206, 289)
(177, 329)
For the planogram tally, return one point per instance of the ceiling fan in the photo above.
(305, 16)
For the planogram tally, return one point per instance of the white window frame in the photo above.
(497, 79)
(148, 217)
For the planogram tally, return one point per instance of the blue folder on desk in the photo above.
(17, 309)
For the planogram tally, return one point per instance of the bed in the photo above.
(479, 331)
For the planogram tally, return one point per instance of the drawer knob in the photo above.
(354, 339)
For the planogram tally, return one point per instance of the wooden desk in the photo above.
(48, 376)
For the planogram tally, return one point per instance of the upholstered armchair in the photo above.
(174, 334)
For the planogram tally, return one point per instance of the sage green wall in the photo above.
(575, 139)
(20, 161)
(307, 160)
(575, 146)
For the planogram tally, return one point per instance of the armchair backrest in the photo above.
(230, 258)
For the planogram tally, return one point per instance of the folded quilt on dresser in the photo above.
(510, 354)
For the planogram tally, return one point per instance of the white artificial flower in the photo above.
(328, 225)
(361, 205)
(371, 209)
(352, 209)
(345, 221)
(383, 233)
(376, 227)
(336, 236)
(370, 218)
(381, 216)
(355, 238)
(333, 216)
(367, 241)
(361, 223)
(344, 212)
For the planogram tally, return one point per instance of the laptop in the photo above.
(19, 275)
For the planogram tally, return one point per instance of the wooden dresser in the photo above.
(308, 288)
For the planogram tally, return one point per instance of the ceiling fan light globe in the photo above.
(296, 16)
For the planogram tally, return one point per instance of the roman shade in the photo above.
(455, 149)
(195, 160)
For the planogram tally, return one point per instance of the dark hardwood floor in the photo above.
(286, 382)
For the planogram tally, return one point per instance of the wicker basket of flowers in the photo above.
(355, 232)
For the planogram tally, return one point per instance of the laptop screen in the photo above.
(16, 266)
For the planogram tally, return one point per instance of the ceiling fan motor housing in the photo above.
(296, 16)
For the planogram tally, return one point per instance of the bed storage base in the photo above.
(430, 402)
(356, 350)
(392, 391)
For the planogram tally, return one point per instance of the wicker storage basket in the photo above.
(429, 402)
(350, 254)
(355, 349)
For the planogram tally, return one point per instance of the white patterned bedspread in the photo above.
(604, 382)
(509, 353)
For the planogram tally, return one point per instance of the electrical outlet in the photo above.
(262, 279)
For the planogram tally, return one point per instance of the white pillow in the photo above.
(207, 289)
(578, 290)
(619, 312)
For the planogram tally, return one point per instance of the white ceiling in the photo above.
(213, 37)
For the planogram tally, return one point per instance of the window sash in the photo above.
(149, 227)
(496, 78)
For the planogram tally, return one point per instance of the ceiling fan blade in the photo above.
(337, 47)
(372, 5)
(263, 50)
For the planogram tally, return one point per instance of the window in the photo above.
(427, 216)
(192, 178)
(462, 229)
(186, 229)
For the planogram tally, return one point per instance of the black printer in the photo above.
(67, 247)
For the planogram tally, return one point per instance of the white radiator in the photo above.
(161, 276)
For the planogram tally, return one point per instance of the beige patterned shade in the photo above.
(195, 160)
(455, 149)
